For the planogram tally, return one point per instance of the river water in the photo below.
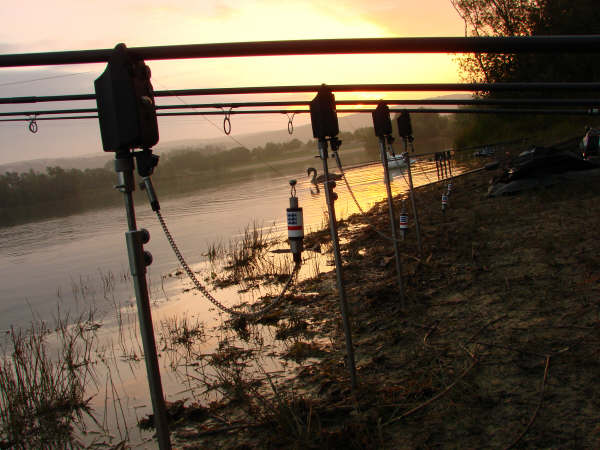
(66, 263)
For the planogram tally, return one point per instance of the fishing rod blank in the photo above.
(564, 112)
(542, 87)
(491, 44)
(423, 102)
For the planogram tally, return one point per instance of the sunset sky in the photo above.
(74, 25)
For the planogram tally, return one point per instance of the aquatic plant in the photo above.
(43, 377)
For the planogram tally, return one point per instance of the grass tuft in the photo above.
(43, 375)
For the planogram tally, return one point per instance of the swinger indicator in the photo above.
(295, 224)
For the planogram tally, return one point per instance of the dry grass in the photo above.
(249, 262)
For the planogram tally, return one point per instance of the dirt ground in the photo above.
(498, 345)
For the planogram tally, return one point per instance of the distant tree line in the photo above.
(33, 195)
(55, 185)
(193, 162)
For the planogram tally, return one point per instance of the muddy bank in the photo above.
(497, 347)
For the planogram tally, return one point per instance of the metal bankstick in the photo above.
(329, 184)
(386, 177)
(138, 260)
(127, 119)
(413, 201)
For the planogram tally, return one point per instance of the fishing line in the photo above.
(222, 130)
(412, 146)
(368, 219)
(32, 80)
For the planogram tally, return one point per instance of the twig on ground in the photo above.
(434, 398)
(491, 322)
(431, 330)
(506, 347)
(210, 431)
(537, 409)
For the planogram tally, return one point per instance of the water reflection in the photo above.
(42, 258)
(81, 260)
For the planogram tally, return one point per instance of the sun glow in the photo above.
(75, 25)
(269, 20)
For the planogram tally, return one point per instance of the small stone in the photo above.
(456, 298)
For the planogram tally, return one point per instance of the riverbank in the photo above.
(497, 347)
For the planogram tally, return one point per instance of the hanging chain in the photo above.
(208, 295)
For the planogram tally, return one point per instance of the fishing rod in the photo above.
(516, 44)
(425, 102)
(569, 112)
(385, 87)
